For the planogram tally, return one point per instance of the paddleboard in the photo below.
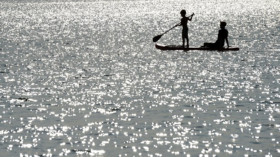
(179, 47)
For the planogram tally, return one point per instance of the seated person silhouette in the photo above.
(222, 37)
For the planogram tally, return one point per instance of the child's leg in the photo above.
(187, 41)
(183, 38)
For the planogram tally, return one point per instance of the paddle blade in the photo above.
(156, 38)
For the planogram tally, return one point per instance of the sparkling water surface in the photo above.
(83, 78)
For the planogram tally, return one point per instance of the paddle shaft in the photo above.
(170, 29)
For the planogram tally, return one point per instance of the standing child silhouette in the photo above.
(184, 24)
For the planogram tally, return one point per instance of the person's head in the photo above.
(223, 24)
(183, 13)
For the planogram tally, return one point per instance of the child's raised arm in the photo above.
(191, 16)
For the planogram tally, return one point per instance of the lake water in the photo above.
(83, 78)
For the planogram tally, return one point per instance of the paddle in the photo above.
(156, 38)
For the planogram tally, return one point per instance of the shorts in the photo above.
(185, 33)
